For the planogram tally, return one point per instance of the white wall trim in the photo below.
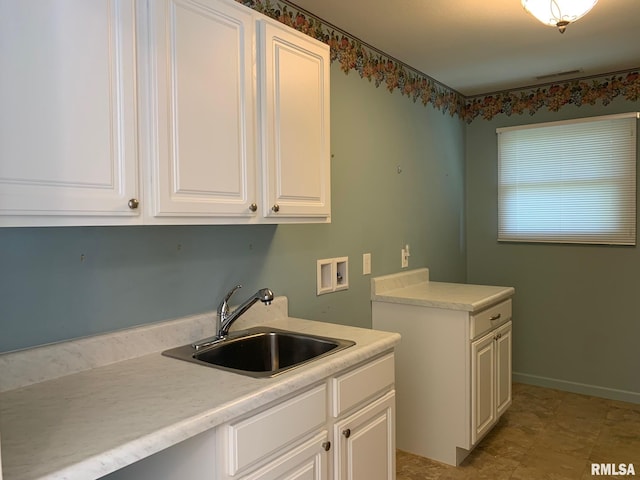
(575, 387)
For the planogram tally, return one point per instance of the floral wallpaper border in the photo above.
(381, 69)
(578, 92)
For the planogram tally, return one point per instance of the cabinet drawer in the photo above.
(359, 384)
(258, 436)
(490, 318)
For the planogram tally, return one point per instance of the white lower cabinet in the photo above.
(306, 461)
(483, 385)
(453, 375)
(261, 440)
(343, 428)
(365, 442)
(490, 379)
(504, 368)
(364, 427)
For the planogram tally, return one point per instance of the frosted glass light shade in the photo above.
(558, 13)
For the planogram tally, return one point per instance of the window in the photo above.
(568, 182)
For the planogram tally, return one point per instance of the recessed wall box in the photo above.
(325, 274)
(332, 275)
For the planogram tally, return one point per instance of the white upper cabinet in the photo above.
(160, 112)
(201, 113)
(294, 96)
(68, 117)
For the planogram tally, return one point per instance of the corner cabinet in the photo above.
(160, 112)
(68, 131)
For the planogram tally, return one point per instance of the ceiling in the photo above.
(479, 47)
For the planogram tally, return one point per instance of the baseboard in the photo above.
(574, 387)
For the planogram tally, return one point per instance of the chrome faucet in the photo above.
(225, 319)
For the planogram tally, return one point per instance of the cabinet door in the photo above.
(200, 129)
(503, 368)
(483, 386)
(308, 461)
(365, 442)
(68, 117)
(249, 442)
(295, 124)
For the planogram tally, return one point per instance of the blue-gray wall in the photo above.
(576, 316)
(576, 324)
(61, 283)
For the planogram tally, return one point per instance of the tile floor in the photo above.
(545, 435)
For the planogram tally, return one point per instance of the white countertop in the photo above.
(92, 422)
(413, 287)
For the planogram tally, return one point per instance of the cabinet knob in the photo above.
(253, 207)
(133, 203)
(326, 446)
(276, 208)
(346, 433)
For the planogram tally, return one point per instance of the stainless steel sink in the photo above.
(261, 351)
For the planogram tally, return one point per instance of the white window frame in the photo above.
(571, 181)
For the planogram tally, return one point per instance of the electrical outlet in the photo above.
(404, 262)
(366, 264)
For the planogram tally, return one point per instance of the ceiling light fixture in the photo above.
(558, 13)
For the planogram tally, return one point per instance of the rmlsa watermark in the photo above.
(613, 469)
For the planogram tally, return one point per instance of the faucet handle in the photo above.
(231, 292)
(223, 308)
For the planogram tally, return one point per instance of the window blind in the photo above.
(568, 182)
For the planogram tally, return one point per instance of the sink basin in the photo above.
(261, 351)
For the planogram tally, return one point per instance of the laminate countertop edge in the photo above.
(425, 293)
